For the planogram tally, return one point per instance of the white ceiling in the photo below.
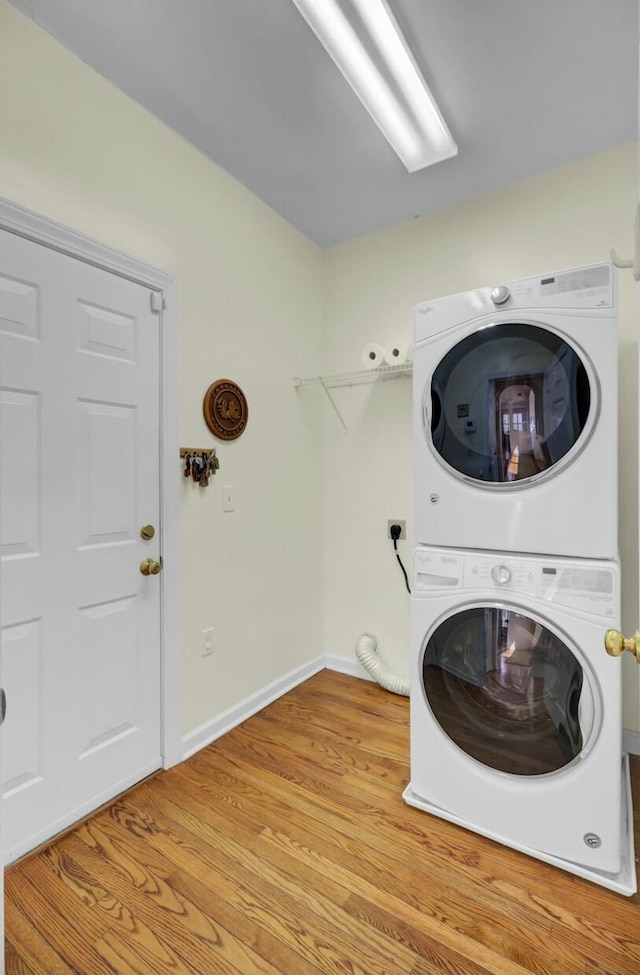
(525, 86)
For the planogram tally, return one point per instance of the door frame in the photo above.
(41, 230)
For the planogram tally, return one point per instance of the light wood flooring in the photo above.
(285, 847)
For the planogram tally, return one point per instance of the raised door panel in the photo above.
(22, 679)
(19, 308)
(106, 479)
(20, 474)
(108, 683)
(105, 332)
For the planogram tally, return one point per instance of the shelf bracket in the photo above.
(333, 403)
(358, 378)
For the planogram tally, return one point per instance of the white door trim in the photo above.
(41, 230)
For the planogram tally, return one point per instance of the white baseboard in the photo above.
(631, 742)
(210, 730)
(344, 666)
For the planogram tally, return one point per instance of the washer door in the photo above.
(508, 690)
(508, 403)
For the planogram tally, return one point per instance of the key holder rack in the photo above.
(200, 463)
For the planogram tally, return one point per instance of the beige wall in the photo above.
(564, 218)
(75, 149)
(259, 304)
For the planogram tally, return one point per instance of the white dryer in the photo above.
(515, 708)
(515, 416)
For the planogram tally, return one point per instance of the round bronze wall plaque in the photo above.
(225, 409)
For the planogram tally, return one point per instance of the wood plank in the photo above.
(91, 910)
(27, 944)
(359, 868)
(415, 833)
(247, 829)
(205, 896)
(297, 725)
(285, 847)
(367, 696)
(14, 963)
(412, 834)
(52, 939)
(289, 910)
(202, 944)
(612, 933)
(434, 955)
(233, 883)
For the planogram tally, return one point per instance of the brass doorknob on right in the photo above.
(149, 567)
(615, 644)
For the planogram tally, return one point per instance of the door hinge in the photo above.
(3, 705)
(158, 303)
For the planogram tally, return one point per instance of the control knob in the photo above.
(501, 575)
(499, 294)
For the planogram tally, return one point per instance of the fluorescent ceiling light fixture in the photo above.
(382, 71)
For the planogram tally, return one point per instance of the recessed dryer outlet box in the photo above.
(403, 527)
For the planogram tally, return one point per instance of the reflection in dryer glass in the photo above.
(505, 689)
(508, 402)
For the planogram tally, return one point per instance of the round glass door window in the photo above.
(508, 403)
(508, 691)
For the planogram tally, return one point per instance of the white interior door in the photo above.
(79, 477)
(2, 965)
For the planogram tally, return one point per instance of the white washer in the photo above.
(515, 416)
(515, 707)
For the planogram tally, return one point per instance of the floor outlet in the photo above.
(207, 641)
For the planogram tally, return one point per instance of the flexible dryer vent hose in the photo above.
(367, 654)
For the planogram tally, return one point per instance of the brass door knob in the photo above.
(615, 644)
(149, 567)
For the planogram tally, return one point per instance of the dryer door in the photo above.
(509, 691)
(509, 403)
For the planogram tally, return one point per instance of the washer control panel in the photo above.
(582, 584)
(579, 584)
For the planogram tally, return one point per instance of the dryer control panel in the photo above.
(581, 584)
(577, 289)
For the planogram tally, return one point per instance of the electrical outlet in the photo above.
(397, 521)
(207, 641)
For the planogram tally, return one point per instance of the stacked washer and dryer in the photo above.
(516, 729)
